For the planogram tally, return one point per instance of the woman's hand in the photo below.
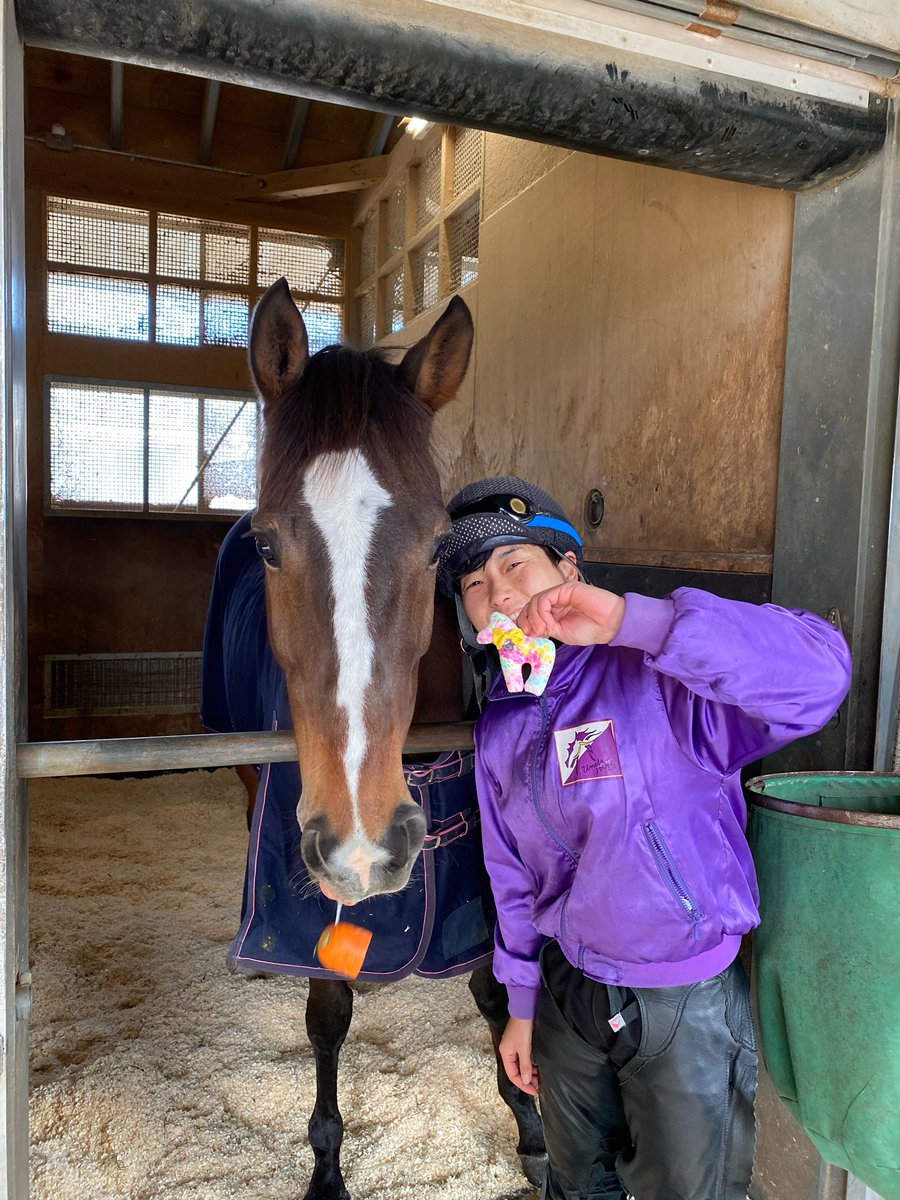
(575, 613)
(515, 1054)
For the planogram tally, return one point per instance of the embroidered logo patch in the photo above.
(588, 751)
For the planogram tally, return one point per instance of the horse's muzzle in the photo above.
(357, 868)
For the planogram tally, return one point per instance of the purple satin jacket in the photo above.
(613, 816)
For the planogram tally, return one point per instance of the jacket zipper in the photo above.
(535, 790)
(672, 875)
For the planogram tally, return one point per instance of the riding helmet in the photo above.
(500, 511)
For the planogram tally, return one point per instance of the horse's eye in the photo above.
(265, 550)
(436, 555)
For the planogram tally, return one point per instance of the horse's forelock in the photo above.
(346, 399)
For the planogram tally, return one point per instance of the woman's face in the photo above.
(508, 580)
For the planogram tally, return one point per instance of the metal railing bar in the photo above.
(112, 756)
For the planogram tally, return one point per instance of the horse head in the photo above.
(349, 517)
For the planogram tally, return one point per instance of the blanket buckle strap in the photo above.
(451, 829)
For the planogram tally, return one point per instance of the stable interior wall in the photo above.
(103, 584)
(630, 337)
(630, 330)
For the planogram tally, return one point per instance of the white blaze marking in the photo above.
(345, 500)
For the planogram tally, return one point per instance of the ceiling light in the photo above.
(417, 127)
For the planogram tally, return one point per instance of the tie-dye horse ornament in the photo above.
(517, 651)
(321, 610)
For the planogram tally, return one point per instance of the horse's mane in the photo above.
(345, 399)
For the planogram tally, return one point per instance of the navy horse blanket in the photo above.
(440, 924)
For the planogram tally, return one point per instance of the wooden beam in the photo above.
(195, 191)
(350, 176)
(295, 132)
(208, 121)
(116, 93)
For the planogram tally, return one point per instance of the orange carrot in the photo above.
(342, 948)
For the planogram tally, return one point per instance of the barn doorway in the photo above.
(566, 243)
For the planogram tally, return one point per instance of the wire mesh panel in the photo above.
(98, 306)
(368, 246)
(84, 234)
(96, 446)
(174, 450)
(151, 449)
(428, 187)
(202, 452)
(324, 322)
(463, 247)
(396, 218)
(178, 321)
(365, 309)
(424, 270)
(309, 263)
(393, 300)
(226, 319)
(192, 317)
(467, 154)
(209, 251)
(230, 436)
(120, 684)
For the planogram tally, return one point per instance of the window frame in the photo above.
(371, 280)
(144, 513)
(128, 363)
(154, 279)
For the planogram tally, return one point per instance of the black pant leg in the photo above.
(688, 1093)
(584, 1124)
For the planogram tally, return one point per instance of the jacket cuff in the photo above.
(646, 623)
(523, 1001)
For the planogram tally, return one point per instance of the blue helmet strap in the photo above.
(543, 522)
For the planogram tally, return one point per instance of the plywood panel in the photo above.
(631, 338)
(689, 313)
(455, 445)
(536, 278)
(511, 165)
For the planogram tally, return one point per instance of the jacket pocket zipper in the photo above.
(672, 875)
(535, 788)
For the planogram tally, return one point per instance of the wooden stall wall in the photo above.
(116, 584)
(630, 337)
(631, 334)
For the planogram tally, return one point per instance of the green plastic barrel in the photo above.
(826, 961)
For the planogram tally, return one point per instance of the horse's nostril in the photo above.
(404, 838)
(416, 826)
(316, 843)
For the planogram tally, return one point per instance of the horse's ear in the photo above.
(434, 368)
(279, 347)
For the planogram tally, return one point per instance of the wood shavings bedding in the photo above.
(155, 1073)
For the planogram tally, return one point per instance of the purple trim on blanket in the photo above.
(459, 969)
(258, 810)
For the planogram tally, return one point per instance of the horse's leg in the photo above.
(490, 996)
(249, 778)
(328, 1012)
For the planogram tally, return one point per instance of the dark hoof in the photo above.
(326, 1185)
(328, 1194)
(535, 1167)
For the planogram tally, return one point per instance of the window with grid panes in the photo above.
(150, 449)
(169, 279)
(434, 222)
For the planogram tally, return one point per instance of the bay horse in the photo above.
(349, 517)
